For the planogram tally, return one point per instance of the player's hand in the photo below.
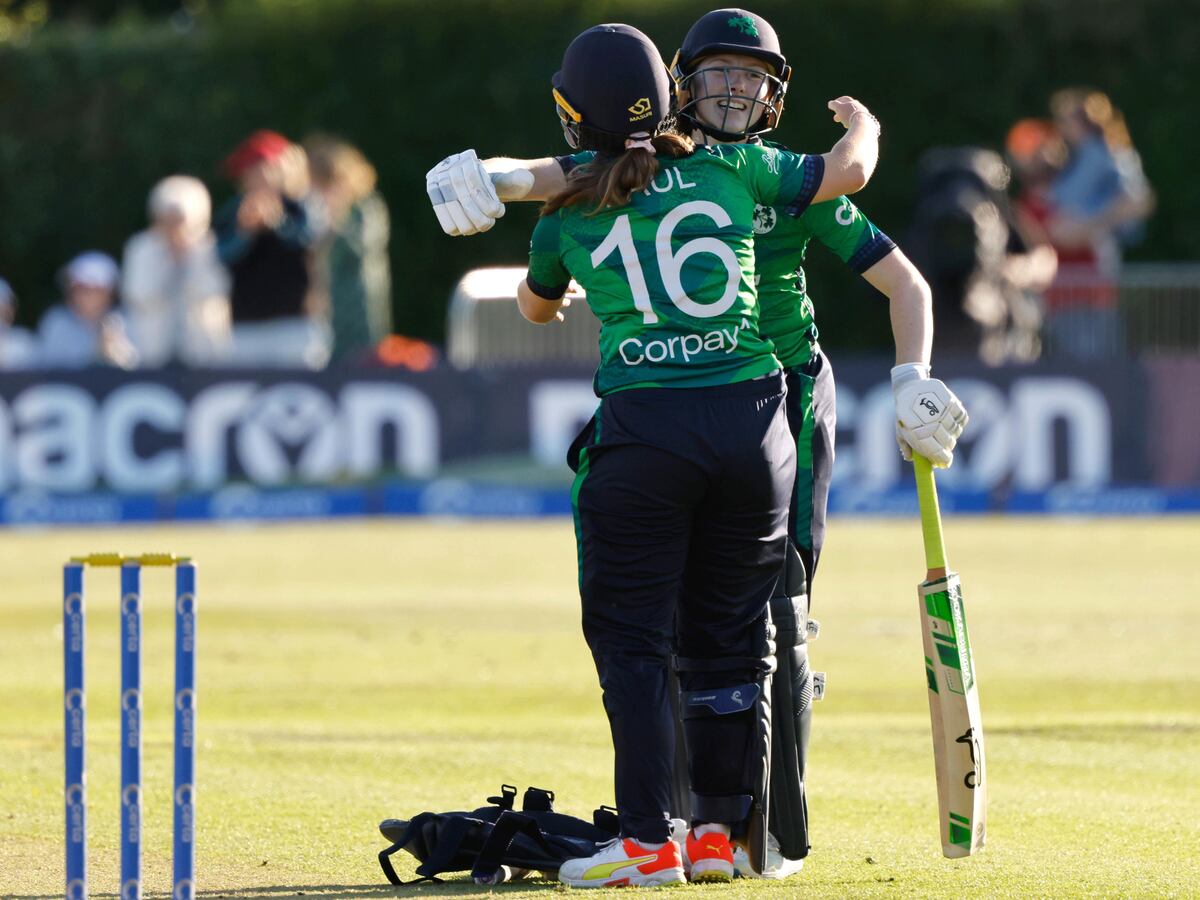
(846, 108)
(462, 195)
(929, 418)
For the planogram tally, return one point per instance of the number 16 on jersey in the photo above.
(952, 688)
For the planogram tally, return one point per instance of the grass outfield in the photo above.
(349, 673)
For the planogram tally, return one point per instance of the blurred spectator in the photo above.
(174, 290)
(1097, 201)
(1036, 153)
(979, 263)
(18, 349)
(84, 329)
(353, 265)
(265, 237)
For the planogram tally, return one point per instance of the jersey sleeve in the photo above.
(574, 160)
(842, 227)
(785, 180)
(548, 277)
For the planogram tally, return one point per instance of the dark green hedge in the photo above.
(90, 119)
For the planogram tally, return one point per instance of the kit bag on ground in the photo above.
(484, 840)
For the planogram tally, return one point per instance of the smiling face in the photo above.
(730, 91)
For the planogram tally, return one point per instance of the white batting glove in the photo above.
(929, 418)
(462, 195)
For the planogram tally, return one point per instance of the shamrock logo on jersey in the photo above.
(744, 24)
(764, 219)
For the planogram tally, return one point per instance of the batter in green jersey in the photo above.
(730, 87)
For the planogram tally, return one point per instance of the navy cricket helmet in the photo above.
(613, 85)
(730, 31)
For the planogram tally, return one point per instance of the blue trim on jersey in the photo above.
(871, 252)
(566, 163)
(813, 176)
(546, 293)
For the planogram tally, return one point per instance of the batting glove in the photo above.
(929, 418)
(462, 195)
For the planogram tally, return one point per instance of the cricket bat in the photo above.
(953, 689)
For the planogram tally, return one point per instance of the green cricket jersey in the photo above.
(780, 244)
(670, 276)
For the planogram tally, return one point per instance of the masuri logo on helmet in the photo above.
(640, 110)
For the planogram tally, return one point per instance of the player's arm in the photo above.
(540, 297)
(846, 231)
(543, 180)
(851, 162)
(929, 417)
(910, 304)
(538, 309)
(794, 182)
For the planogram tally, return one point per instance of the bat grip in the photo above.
(931, 515)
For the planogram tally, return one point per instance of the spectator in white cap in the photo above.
(174, 289)
(84, 330)
(18, 349)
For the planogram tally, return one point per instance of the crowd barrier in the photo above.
(103, 445)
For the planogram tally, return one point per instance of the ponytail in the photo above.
(610, 180)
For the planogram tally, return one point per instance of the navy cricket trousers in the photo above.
(681, 499)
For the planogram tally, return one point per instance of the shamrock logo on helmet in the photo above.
(744, 24)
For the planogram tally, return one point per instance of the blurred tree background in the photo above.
(100, 98)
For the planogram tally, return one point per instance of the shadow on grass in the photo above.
(445, 889)
(327, 891)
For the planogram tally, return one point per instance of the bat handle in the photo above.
(931, 518)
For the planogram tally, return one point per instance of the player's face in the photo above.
(726, 88)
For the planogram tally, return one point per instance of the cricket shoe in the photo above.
(710, 857)
(778, 865)
(624, 862)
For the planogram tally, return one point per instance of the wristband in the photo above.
(908, 371)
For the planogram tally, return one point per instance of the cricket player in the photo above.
(684, 475)
(731, 79)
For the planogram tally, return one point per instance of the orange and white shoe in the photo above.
(711, 856)
(624, 862)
